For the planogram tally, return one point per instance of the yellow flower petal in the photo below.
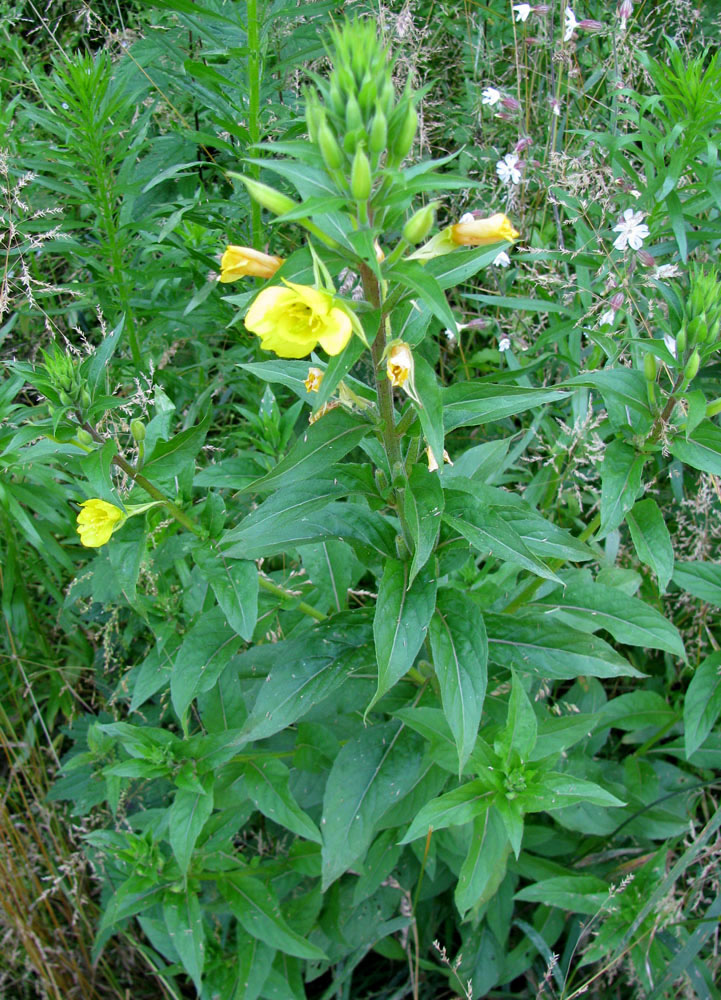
(237, 262)
(292, 320)
(337, 333)
(97, 520)
(481, 232)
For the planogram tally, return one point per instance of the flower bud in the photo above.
(137, 429)
(510, 103)
(361, 179)
(85, 398)
(588, 24)
(649, 368)
(329, 148)
(83, 436)
(353, 116)
(64, 398)
(268, 197)
(482, 232)
(647, 259)
(681, 342)
(617, 300)
(420, 224)
(692, 366)
(403, 139)
(378, 133)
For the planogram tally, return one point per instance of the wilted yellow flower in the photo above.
(432, 464)
(239, 262)
(481, 232)
(314, 379)
(399, 364)
(97, 521)
(292, 321)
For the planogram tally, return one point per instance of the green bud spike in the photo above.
(266, 196)
(420, 224)
(649, 368)
(402, 140)
(353, 116)
(692, 366)
(329, 148)
(361, 178)
(378, 133)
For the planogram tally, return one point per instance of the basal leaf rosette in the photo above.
(291, 321)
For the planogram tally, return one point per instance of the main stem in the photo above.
(254, 110)
(391, 440)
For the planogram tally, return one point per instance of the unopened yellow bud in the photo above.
(399, 365)
(241, 262)
(420, 224)
(649, 368)
(329, 148)
(268, 197)
(361, 179)
(481, 232)
(692, 366)
(403, 140)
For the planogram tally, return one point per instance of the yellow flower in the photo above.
(237, 262)
(432, 464)
(97, 521)
(314, 379)
(481, 232)
(292, 321)
(399, 365)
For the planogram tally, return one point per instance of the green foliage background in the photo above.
(233, 766)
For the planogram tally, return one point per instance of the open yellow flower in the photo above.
(480, 232)
(97, 521)
(399, 364)
(239, 262)
(292, 320)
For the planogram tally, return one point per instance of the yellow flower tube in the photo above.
(480, 232)
(240, 262)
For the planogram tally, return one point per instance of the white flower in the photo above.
(670, 342)
(571, 24)
(504, 344)
(607, 318)
(502, 259)
(490, 96)
(522, 10)
(632, 229)
(507, 169)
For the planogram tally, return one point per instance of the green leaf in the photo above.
(301, 672)
(184, 920)
(451, 269)
(372, 772)
(519, 734)
(97, 364)
(556, 791)
(422, 507)
(235, 585)
(471, 403)
(413, 276)
(460, 657)
(532, 644)
(253, 966)
(205, 651)
(400, 623)
(318, 447)
(266, 782)
(188, 815)
(171, 459)
(459, 806)
(256, 908)
(487, 532)
(577, 893)
(628, 619)
(702, 705)
(519, 303)
(134, 895)
(637, 710)
(701, 579)
(485, 865)
(431, 412)
(702, 449)
(651, 539)
(620, 482)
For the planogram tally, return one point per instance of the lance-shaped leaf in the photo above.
(430, 413)
(423, 506)
(471, 403)
(551, 649)
(184, 921)
(703, 702)
(620, 483)
(188, 815)
(372, 772)
(651, 539)
(256, 908)
(266, 782)
(400, 622)
(701, 579)
(455, 808)
(203, 656)
(485, 866)
(235, 585)
(460, 657)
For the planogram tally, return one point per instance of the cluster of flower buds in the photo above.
(64, 378)
(701, 324)
(355, 118)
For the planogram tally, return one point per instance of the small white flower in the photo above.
(607, 318)
(467, 217)
(632, 229)
(502, 259)
(556, 107)
(490, 96)
(507, 169)
(571, 24)
(670, 342)
(665, 271)
(504, 344)
(522, 10)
